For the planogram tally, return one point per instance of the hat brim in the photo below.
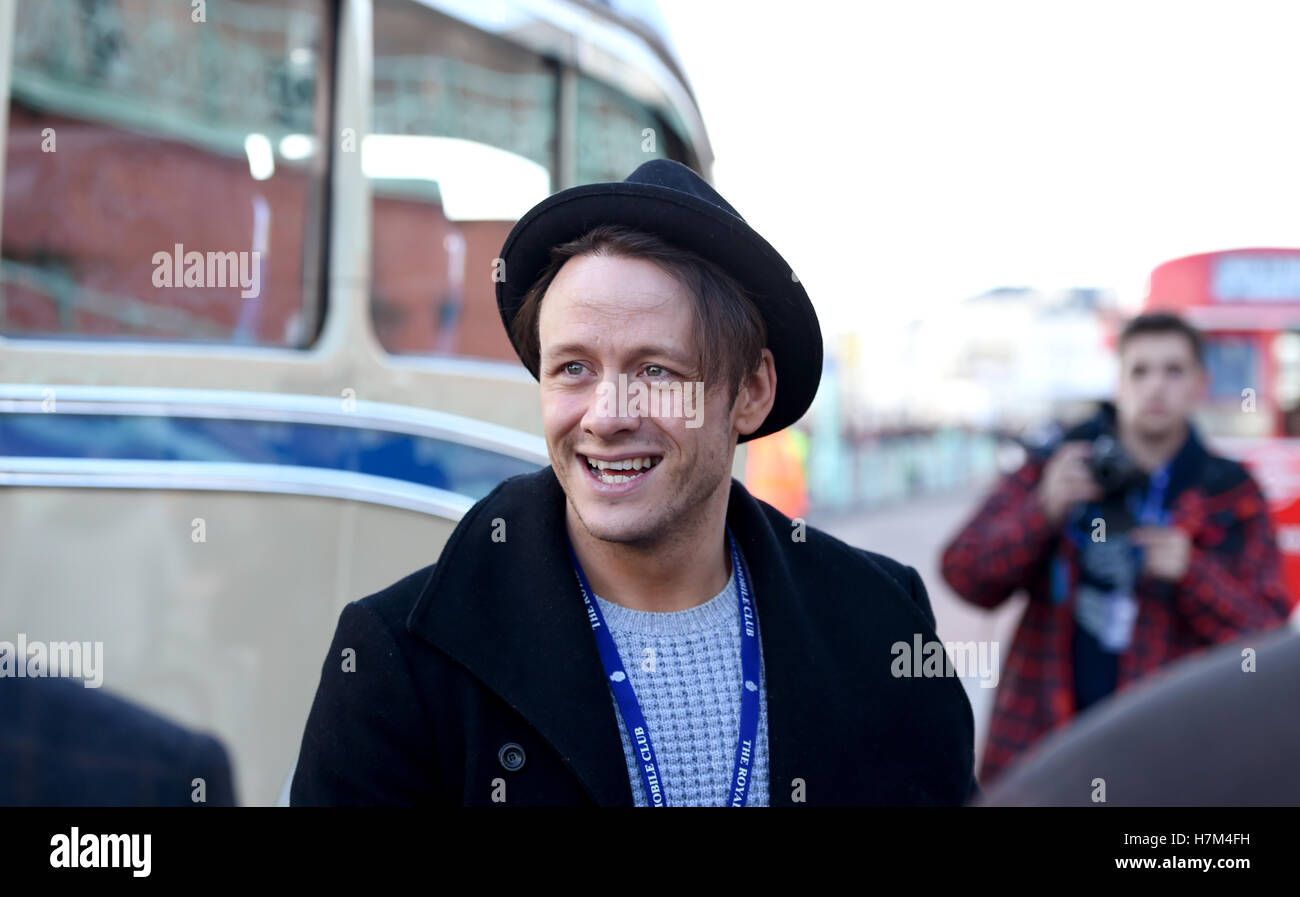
(793, 333)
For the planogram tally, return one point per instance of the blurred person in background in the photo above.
(1135, 544)
(65, 745)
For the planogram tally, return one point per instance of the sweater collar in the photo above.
(721, 612)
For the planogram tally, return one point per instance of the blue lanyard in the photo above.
(639, 732)
(1152, 512)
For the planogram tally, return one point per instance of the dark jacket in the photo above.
(1233, 586)
(491, 646)
(65, 745)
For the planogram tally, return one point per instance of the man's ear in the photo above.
(756, 396)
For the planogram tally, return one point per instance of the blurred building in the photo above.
(917, 414)
(1011, 357)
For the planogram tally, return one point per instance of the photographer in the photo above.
(1135, 544)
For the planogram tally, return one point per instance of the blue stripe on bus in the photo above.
(440, 463)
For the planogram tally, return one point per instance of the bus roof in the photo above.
(1249, 289)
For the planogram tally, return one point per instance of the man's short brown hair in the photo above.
(1164, 322)
(726, 320)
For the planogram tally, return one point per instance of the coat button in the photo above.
(511, 756)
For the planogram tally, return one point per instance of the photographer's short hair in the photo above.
(1163, 322)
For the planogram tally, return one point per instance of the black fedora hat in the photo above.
(671, 201)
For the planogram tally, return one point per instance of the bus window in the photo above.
(465, 140)
(616, 134)
(159, 174)
(462, 144)
(1232, 364)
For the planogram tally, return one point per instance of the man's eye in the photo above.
(651, 369)
(569, 368)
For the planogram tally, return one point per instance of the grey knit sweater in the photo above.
(685, 669)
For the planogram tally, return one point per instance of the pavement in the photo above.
(915, 533)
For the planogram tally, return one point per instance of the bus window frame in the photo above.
(315, 252)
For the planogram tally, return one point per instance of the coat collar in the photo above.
(503, 602)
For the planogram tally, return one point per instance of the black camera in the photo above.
(1111, 467)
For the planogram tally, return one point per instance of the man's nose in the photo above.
(607, 411)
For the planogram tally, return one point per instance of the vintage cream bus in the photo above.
(251, 366)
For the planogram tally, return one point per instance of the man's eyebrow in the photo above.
(565, 349)
(638, 351)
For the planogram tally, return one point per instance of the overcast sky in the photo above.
(902, 155)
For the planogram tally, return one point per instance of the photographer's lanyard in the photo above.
(637, 730)
(1152, 512)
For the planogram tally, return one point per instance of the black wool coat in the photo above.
(477, 680)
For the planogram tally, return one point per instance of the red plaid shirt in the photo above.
(1233, 586)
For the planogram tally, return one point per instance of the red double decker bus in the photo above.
(1247, 304)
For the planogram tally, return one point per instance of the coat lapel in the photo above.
(788, 637)
(510, 612)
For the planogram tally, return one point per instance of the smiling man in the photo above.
(629, 626)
